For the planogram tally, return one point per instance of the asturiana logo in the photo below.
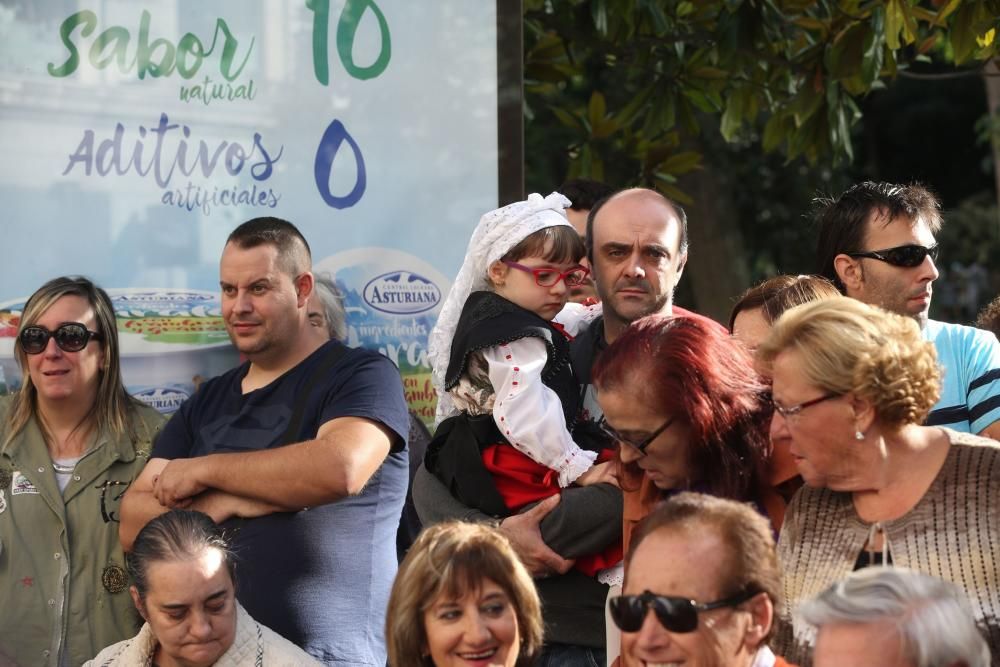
(401, 293)
(163, 399)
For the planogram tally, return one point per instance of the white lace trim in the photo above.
(612, 576)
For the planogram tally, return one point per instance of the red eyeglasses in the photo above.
(546, 277)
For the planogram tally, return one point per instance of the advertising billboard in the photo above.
(137, 135)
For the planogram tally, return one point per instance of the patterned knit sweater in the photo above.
(952, 533)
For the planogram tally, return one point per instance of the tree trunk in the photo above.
(717, 266)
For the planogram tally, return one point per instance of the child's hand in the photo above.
(602, 473)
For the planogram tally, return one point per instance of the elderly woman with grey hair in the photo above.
(326, 308)
(906, 618)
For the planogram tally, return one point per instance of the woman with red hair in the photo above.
(689, 412)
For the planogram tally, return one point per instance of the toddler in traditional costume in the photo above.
(507, 395)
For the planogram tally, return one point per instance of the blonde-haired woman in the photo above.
(461, 595)
(71, 441)
(852, 385)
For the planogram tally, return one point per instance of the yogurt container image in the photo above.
(170, 340)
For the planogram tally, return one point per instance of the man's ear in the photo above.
(761, 616)
(681, 263)
(850, 273)
(497, 273)
(303, 287)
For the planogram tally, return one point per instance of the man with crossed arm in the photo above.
(301, 450)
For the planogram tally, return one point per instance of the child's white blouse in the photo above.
(506, 380)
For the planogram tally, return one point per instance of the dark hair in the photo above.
(682, 241)
(843, 221)
(776, 295)
(751, 560)
(693, 369)
(175, 535)
(583, 193)
(294, 255)
(113, 410)
(558, 244)
(989, 317)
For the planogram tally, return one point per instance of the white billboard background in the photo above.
(137, 135)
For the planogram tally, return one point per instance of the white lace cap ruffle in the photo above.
(498, 231)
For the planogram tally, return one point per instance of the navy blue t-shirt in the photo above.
(319, 577)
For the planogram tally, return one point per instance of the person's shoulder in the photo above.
(148, 416)
(684, 312)
(951, 333)
(222, 381)
(961, 441)
(360, 358)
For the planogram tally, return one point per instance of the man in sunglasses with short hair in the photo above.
(711, 602)
(876, 243)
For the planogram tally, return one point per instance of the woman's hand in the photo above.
(601, 473)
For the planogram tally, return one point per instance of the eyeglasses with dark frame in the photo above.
(794, 410)
(70, 337)
(675, 614)
(906, 256)
(547, 277)
(641, 445)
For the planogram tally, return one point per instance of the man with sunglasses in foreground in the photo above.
(711, 602)
(876, 243)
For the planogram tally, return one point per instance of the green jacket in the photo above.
(62, 571)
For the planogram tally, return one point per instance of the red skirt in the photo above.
(521, 481)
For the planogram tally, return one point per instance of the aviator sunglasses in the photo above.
(906, 256)
(675, 614)
(70, 337)
(549, 277)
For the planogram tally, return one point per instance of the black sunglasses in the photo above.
(675, 614)
(905, 255)
(70, 337)
(641, 445)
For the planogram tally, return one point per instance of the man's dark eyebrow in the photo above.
(658, 248)
(615, 245)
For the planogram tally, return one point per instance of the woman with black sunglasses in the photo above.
(71, 440)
